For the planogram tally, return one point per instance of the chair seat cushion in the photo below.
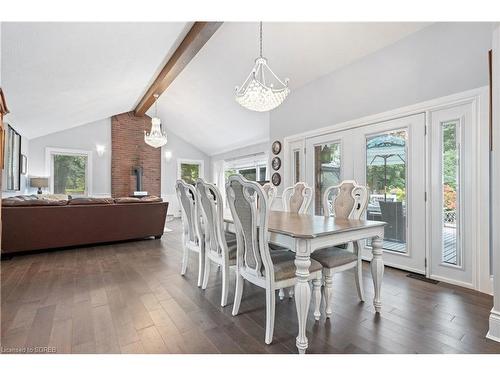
(230, 238)
(284, 264)
(232, 250)
(332, 257)
(273, 246)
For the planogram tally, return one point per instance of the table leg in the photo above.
(377, 268)
(302, 291)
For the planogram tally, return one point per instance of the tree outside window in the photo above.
(70, 174)
(190, 172)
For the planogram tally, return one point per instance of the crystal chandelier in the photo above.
(156, 137)
(258, 95)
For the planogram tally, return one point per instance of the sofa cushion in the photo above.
(32, 200)
(151, 198)
(127, 200)
(147, 199)
(82, 201)
(54, 196)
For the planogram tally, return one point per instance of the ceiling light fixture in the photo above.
(156, 137)
(258, 95)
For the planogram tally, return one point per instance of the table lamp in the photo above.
(39, 182)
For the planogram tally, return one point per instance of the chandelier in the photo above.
(156, 137)
(256, 93)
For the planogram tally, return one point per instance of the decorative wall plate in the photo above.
(276, 147)
(276, 179)
(276, 163)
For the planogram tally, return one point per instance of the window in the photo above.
(69, 172)
(190, 170)
(252, 173)
(327, 171)
(13, 159)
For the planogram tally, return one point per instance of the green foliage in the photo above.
(450, 161)
(69, 174)
(229, 172)
(396, 176)
(190, 172)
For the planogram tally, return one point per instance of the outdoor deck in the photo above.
(450, 248)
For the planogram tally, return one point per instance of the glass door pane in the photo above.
(386, 176)
(296, 166)
(327, 171)
(450, 187)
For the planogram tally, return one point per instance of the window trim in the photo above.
(49, 166)
(200, 162)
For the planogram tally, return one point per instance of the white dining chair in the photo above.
(271, 192)
(220, 246)
(348, 200)
(270, 270)
(192, 236)
(296, 198)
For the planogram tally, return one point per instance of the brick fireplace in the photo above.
(129, 151)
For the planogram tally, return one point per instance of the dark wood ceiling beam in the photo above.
(194, 41)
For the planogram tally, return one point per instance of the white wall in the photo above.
(442, 59)
(84, 137)
(240, 152)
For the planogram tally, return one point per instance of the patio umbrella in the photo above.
(386, 150)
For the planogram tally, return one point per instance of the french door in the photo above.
(389, 158)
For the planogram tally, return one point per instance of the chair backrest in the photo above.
(297, 198)
(270, 190)
(212, 210)
(251, 223)
(348, 200)
(188, 200)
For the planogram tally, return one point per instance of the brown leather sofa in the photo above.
(35, 224)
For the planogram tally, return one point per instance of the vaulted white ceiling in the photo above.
(60, 75)
(200, 107)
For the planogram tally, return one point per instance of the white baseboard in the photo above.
(494, 331)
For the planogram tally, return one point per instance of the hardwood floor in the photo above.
(130, 298)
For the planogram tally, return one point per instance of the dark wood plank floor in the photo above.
(130, 298)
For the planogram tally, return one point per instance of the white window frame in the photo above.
(200, 162)
(249, 162)
(49, 166)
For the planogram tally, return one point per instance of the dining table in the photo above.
(303, 234)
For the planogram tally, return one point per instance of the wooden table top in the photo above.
(311, 226)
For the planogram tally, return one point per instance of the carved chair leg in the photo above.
(358, 275)
(201, 267)
(282, 294)
(291, 292)
(317, 297)
(225, 285)
(185, 258)
(328, 293)
(206, 273)
(238, 293)
(270, 306)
